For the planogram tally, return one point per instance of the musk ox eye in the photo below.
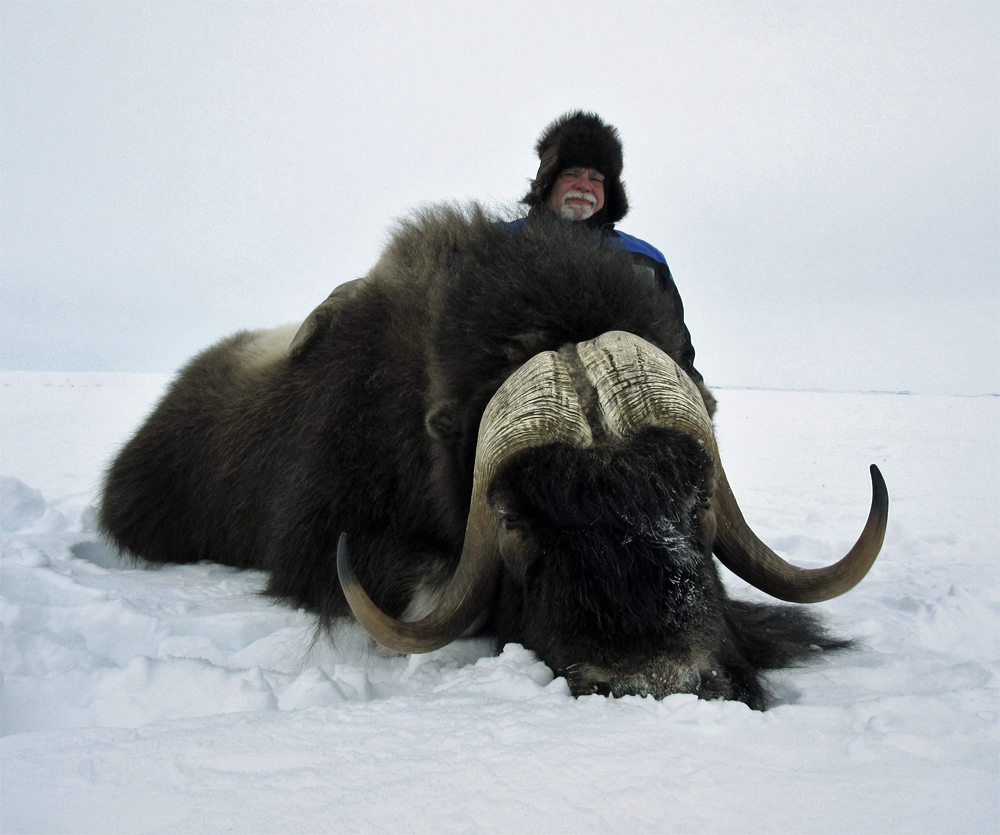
(510, 521)
(506, 511)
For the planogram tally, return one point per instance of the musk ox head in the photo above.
(598, 499)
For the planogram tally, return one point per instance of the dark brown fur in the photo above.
(260, 459)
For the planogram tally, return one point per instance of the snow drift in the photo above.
(181, 700)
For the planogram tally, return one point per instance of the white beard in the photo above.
(574, 211)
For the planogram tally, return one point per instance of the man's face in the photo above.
(577, 193)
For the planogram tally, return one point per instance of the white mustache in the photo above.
(580, 194)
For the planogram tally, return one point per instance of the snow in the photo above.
(181, 700)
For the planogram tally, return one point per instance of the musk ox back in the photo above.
(495, 419)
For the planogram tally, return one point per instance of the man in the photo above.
(579, 178)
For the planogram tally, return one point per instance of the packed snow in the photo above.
(180, 699)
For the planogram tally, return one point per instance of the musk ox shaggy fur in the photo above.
(456, 414)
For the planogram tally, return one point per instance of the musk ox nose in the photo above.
(658, 678)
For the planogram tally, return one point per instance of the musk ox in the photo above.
(488, 431)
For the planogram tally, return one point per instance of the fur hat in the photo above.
(581, 139)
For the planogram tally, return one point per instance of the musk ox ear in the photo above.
(445, 422)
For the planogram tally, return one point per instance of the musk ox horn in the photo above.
(638, 385)
(739, 549)
(536, 405)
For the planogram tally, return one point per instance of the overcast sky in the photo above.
(823, 178)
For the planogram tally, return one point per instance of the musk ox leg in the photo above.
(317, 321)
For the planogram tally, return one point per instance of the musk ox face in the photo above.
(608, 572)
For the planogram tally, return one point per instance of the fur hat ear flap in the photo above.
(580, 139)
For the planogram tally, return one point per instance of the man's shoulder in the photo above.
(629, 242)
(634, 244)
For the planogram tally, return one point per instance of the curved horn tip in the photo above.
(880, 497)
(878, 483)
(345, 572)
(880, 501)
